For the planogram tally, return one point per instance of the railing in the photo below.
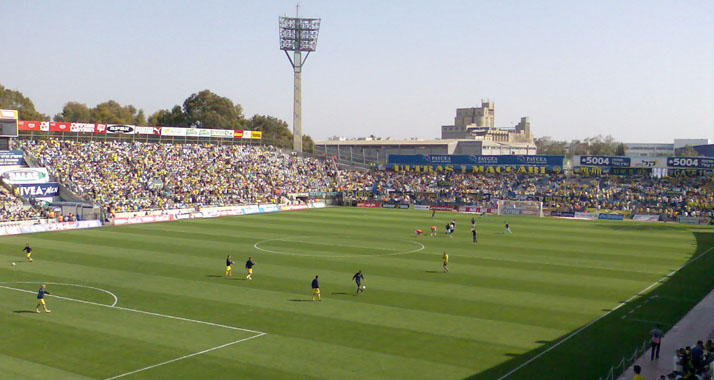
(626, 362)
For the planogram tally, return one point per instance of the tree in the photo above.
(275, 131)
(620, 151)
(74, 112)
(599, 146)
(15, 100)
(687, 151)
(175, 117)
(545, 145)
(208, 110)
(307, 144)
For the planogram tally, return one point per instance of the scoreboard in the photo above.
(8, 123)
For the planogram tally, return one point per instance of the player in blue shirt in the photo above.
(358, 277)
(29, 251)
(41, 300)
(315, 290)
(249, 268)
(229, 266)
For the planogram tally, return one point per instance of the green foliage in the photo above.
(175, 117)
(109, 112)
(208, 110)
(620, 151)
(546, 145)
(15, 100)
(687, 151)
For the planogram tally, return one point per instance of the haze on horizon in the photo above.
(641, 71)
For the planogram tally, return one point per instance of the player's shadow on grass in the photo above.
(24, 311)
(341, 294)
(214, 275)
(434, 271)
(299, 300)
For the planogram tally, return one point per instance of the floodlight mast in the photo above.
(298, 35)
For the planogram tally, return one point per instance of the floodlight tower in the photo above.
(298, 35)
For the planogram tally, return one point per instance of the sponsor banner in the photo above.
(563, 214)
(441, 208)
(24, 125)
(10, 230)
(475, 209)
(173, 131)
(63, 226)
(237, 134)
(692, 220)
(11, 157)
(404, 206)
(59, 127)
(585, 215)
(269, 208)
(83, 127)
(293, 207)
(247, 135)
(648, 162)
(123, 129)
(606, 161)
(182, 216)
(46, 190)
(251, 210)
(320, 204)
(512, 211)
(222, 133)
(25, 175)
(143, 219)
(257, 135)
(88, 224)
(611, 216)
(198, 132)
(389, 205)
(147, 130)
(421, 207)
(100, 128)
(487, 164)
(646, 218)
(691, 162)
(368, 204)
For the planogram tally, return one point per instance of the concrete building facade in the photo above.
(478, 123)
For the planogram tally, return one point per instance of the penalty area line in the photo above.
(185, 357)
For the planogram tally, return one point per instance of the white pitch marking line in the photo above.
(184, 357)
(65, 284)
(258, 333)
(256, 246)
(576, 332)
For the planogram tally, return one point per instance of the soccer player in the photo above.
(506, 228)
(448, 228)
(452, 226)
(315, 290)
(473, 233)
(417, 232)
(433, 230)
(433, 213)
(229, 268)
(473, 222)
(358, 277)
(445, 258)
(41, 300)
(29, 251)
(249, 268)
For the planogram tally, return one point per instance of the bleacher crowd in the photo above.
(136, 176)
(127, 176)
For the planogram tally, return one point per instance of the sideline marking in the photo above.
(257, 246)
(113, 306)
(62, 283)
(576, 332)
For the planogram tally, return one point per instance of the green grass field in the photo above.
(506, 300)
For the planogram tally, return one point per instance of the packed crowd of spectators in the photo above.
(137, 176)
(694, 362)
(675, 196)
(140, 176)
(13, 208)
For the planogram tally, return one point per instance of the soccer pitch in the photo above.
(151, 302)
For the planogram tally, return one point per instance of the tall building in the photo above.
(478, 123)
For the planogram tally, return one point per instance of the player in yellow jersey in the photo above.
(29, 251)
(445, 258)
(41, 300)
(229, 267)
